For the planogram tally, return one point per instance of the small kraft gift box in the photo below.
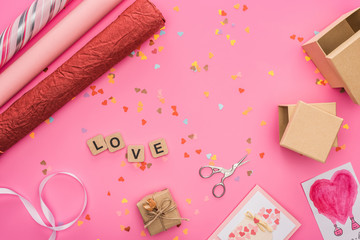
(336, 53)
(309, 129)
(159, 212)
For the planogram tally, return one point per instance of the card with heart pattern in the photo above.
(257, 217)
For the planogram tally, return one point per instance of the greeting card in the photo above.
(257, 217)
(334, 200)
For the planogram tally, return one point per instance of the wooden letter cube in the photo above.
(115, 142)
(158, 148)
(136, 153)
(97, 144)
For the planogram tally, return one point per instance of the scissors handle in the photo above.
(223, 190)
(213, 171)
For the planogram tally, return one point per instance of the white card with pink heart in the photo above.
(257, 217)
(335, 202)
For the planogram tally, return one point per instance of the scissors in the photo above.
(227, 173)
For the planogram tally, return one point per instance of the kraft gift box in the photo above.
(335, 52)
(309, 129)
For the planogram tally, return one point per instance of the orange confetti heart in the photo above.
(241, 90)
(87, 217)
(338, 149)
(109, 194)
(245, 8)
(143, 122)
(101, 91)
(261, 155)
(93, 93)
(121, 179)
(125, 108)
(143, 234)
(198, 151)
(92, 87)
(293, 37)
(183, 141)
(104, 102)
(186, 155)
(300, 39)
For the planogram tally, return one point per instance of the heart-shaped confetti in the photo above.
(208, 155)
(211, 55)
(44, 171)
(185, 231)
(185, 121)
(87, 217)
(248, 140)
(307, 58)
(121, 179)
(261, 155)
(143, 122)
(160, 48)
(101, 91)
(86, 95)
(346, 126)
(232, 42)
(316, 32)
(263, 123)
(125, 108)
(237, 179)
(237, 6)
(149, 165)
(137, 90)
(123, 163)
(93, 93)
(112, 99)
(188, 200)
(206, 67)
(247, 29)
(108, 193)
(206, 94)
(220, 106)
(157, 66)
(176, 8)
(151, 42)
(183, 141)
(124, 200)
(293, 37)
(104, 102)
(249, 173)
(154, 51)
(176, 238)
(156, 36)
(43, 162)
(83, 130)
(32, 135)
(191, 136)
(159, 110)
(245, 8)
(248, 150)
(186, 155)
(180, 33)
(222, 12)
(213, 157)
(300, 39)
(198, 151)
(127, 229)
(271, 73)
(79, 223)
(92, 87)
(127, 211)
(162, 32)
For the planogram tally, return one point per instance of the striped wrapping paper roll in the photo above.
(135, 25)
(27, 25)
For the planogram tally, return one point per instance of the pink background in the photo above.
(267, 47)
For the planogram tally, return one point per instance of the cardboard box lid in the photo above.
(286, 112)
(346, 60)
(329, 39)
(311, 132)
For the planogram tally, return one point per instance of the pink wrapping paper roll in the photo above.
(27, 25)
(52, 45)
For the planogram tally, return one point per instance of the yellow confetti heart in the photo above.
(343, 146)
(112, 69)
(307, 58)
(143, 57)
(271, 73)
(32, 135)
(111, 80)
(206, 94)
(228, 37)
(316, 71)
(232, 42)
(156, 36)
(122, 164)
(140, 104)
(113, 100)
(143, 234)
(160, 48)
(188, 200)
(211, 55)
(185, 231)
(163, 28)
(139, 109)
(80, 223)
(263, 123)
(220, 11)
(346, 126)
(122, 227)
(213, 157)
(127, 211)
(162, 100)
(217, 32)
(248, 150)
(124, 200)
(176, 8)
(233, 77)
(247, 111)
(247, 29)
(236, 6)
(212, 163)
(222, 23)
(176, 238)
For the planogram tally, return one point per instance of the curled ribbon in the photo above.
(261, 224)
(160, 212)
(46, 211)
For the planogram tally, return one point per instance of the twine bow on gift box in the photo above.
(159, 212)
(261, 224)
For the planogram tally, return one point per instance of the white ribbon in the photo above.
(49, 216)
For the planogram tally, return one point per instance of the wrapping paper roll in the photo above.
(27, 25)
(52, 45)
(136, 24)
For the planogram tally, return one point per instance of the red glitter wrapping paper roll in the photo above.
(135, 25)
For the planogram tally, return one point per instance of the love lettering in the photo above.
(135, 153)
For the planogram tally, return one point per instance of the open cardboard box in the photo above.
(309, 129)
(336, 53)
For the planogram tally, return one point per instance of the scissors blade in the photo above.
(239, 163)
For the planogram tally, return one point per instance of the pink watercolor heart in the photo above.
(231, 235)
(251, 226)
(272, 216)
(239, 228)
(274, 227)
(335, 198)
(248, 236)
(262, 211)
